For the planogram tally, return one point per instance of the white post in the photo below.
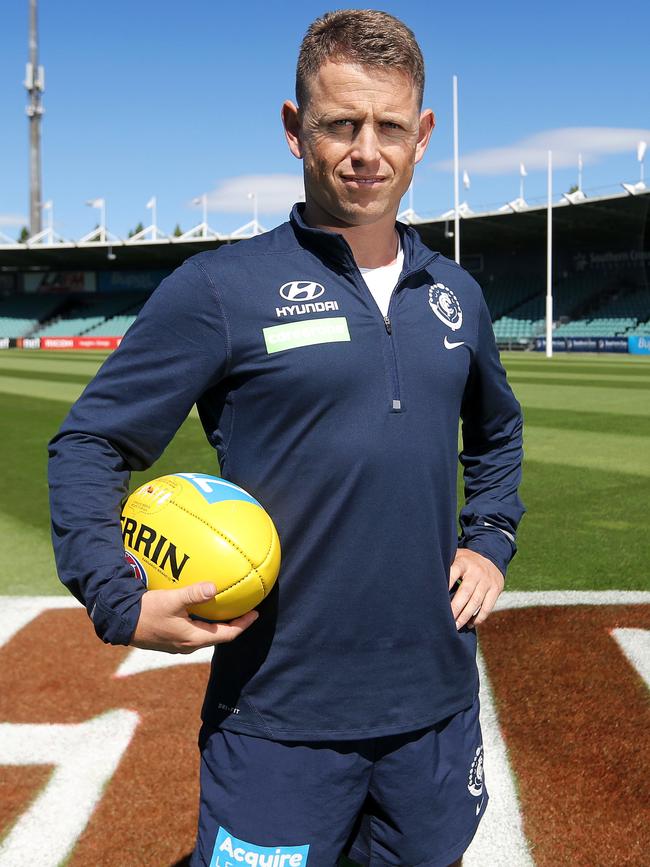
(102, 233)
(456, 179)
(49, 207)
(580, 172)
(154, 215)
(549, 260)
(640, 153)
(253, 197)
(204, 202)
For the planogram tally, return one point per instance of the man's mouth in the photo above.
(363, 180)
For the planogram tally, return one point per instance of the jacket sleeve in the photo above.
(177, 348)
(491, 454)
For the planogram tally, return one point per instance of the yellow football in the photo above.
(189, 527)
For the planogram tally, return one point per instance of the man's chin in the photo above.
(366, 210)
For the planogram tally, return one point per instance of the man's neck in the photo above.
(372, 245)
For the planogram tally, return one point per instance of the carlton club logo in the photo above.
(301, 290)
(446, 306)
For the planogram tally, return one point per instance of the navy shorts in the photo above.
(409, 799)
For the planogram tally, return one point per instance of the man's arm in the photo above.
(177, 349)
(491, 457)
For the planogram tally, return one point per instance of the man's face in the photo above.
(359, 134)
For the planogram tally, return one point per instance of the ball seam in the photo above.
(230, 541)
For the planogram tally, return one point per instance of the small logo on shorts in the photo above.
(229, 851)
(475, 778)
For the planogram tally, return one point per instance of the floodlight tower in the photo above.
(35, 84)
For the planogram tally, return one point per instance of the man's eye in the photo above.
(343, 122)
(391, 124)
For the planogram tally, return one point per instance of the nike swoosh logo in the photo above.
(450, 345)
(478, 806)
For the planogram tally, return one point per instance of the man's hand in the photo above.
(480, 585)
(164, 623)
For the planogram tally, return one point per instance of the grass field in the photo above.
(587, 466)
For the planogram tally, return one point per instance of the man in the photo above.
(330, 360)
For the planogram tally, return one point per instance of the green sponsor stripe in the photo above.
(306, 333)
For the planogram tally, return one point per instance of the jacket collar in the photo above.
(333, 246)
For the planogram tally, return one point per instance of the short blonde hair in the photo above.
(366, 37)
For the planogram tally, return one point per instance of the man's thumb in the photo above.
(195, 593)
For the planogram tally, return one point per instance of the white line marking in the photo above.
(17, 611)
(138, 661)
(635, 644)
(500, 839)
(85, 756)
(530, 599)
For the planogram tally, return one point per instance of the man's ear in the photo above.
(427, 123)
(291, 124)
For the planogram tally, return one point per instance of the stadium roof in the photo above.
(597, 222)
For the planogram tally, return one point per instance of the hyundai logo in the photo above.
(301, 290)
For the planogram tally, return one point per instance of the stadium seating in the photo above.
(21, 314)
(620, 311)
(98, 315)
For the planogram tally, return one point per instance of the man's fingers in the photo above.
(455, 573)
(215, 633)
(486, 607)
(465, 592)
(193, 594)
(465, 608)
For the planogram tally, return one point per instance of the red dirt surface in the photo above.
(18, 788)
(56, 671)
(576, 719)
(575, 716)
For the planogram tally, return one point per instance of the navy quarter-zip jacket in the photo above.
(344, 425)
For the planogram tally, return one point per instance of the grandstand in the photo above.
(601, 284)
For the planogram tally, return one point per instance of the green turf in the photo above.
(586, 473)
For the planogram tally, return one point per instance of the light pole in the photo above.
(35, 85)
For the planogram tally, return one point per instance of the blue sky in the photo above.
(174, 100)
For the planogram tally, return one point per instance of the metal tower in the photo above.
(35, 84)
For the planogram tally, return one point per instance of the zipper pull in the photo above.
(389, 329)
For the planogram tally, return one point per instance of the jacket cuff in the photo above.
(116, 610)
(492, 543)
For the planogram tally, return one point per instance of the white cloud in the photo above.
(13, 220)
(593, 142)
(275, 194)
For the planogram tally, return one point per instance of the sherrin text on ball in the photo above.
(187, 528)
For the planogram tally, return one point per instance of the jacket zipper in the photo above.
(394, 369)
(396, 403)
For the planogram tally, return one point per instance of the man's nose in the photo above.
(365, 147)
